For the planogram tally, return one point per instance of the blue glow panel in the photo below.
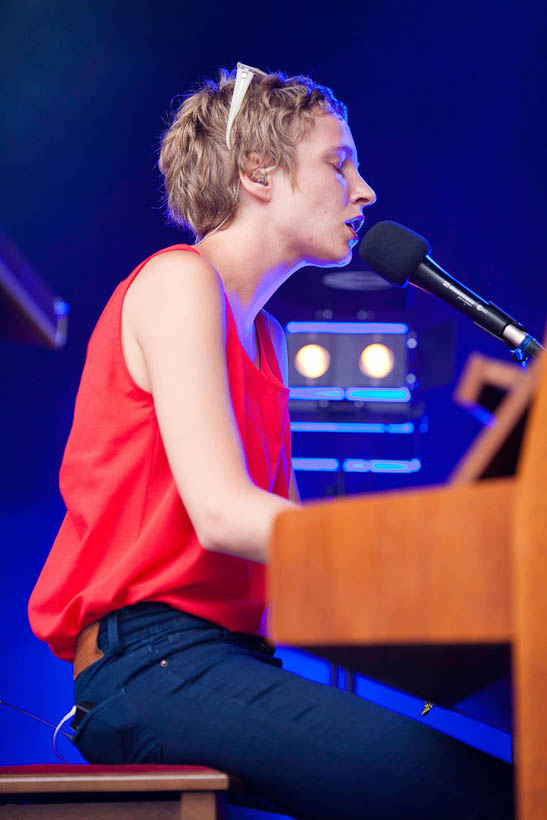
(347, 327)
(377, 465)
(331, 465)
(315, 393)
(384, 394)
(398, 394)
(489, 739)
(355, 465)
(390, 466)
(349, 427)
(405, 427)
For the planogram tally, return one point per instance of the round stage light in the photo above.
(312, 361)
(376, 361)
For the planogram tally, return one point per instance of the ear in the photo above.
(255, 181)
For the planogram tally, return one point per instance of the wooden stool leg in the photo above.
(201, 806)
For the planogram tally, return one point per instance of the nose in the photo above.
(363, 193)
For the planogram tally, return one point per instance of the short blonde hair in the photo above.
(200, 173)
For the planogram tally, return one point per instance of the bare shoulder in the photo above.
(279, 341)
(177, 299)
(174, 272)
(177, 285)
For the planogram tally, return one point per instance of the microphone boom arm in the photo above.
(429, 276)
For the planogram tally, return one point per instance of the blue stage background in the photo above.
(445, 104)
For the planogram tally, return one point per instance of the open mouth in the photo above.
(355, 224)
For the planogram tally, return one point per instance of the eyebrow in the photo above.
(347, 148)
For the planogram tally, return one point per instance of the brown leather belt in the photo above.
(87, 650)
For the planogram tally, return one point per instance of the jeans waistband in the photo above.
(137, 622)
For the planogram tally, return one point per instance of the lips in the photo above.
(355, 223)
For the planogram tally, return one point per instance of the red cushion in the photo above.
(86, 768)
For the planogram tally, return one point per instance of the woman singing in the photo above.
(179, 461)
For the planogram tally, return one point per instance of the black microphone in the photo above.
(400, 255)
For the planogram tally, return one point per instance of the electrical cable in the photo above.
(57, 728)
(36, 717)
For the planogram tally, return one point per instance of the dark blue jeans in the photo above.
(175, 688)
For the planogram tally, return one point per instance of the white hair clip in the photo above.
(244, 77)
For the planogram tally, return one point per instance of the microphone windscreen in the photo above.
(393, 251)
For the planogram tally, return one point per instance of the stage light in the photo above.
(329, 465)
(381, 394)
(391, 328)
(376, 361)
(317, 393)
(312, 361)
(381, 465)
(351, 379)
(351, 427)
(347, 357)
(357, 465)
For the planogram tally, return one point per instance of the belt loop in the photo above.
(112, 632)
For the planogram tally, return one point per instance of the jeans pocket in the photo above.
(112, 732)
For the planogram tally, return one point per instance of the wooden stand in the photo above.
(440, 570)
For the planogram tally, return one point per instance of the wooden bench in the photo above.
(89, 792)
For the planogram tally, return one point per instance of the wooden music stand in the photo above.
(507, 390)
(445, 569)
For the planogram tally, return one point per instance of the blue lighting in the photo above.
(331, 393)
(349, 427)
(357, 465)
(405, 427)
(489, 739)
(385, 394)
(482, 415)
(60, 307)
(347, 327)
(378, 465)
(331, 465)
(400, 394)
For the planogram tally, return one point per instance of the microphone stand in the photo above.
(521, 344)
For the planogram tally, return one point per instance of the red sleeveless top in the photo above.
(126, 536)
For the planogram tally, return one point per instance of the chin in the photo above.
(332, 260)
(345, 261)
(341, 261)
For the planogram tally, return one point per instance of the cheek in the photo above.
(315, 207)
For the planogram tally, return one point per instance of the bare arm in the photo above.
(175, 311)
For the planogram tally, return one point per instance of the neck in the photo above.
(252, 267)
